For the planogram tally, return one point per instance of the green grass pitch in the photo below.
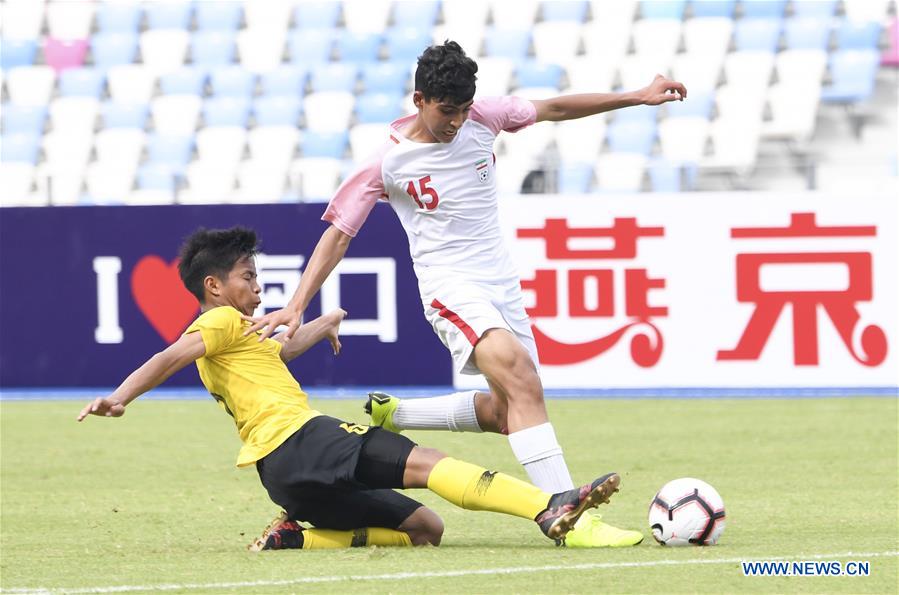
(153, 502)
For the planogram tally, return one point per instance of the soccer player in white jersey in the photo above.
(436, 169)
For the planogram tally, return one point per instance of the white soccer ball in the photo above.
(687, 511)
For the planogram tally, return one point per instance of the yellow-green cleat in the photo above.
(381, 406)
(590, 531)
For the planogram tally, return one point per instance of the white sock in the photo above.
(537, 449)
(448, 412)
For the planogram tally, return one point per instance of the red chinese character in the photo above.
(839, 305)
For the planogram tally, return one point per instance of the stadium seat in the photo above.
(807, 34)
(852, 73)
(531, 73)
(125, 115)
(23, 19)
(378, 107)
(556, 42)
(277, 110)
(30, 85)
(122, 146)
(891, 54)
(749, 69)
(461, 14)
(175, 114)
(61, 54)
(259, 182)
(207, 183)
(19, 147)
(86, 82)
(365, 139)
(637, 113)
(405, 44)
(471, 38)
(271, 17)
(683, 139)
(317, 15)
(17, 52)
(74, 113)
(108, 183)
(118, 17)
(218, 16)
(111, 49)
(168, 15)
(386, 77)
(575, 178)
(520, 14)
(17, 180)
(286, 79)
(528, 144)
(507, 43)
(164, 50)
(869, 10)
(156, 176)
(131, 83)
(27, 119)
(494, 77)
(663, 9)
(665, 175)
(366, 16)
(172, 150)
(260, 50)
(713, 8)
(358, 46)
(565, 10)
(187, 80)
(68, 149)
(763, 9)
(814, 9)
(276, 145)
(801, 67)
(580, 140)
(315, 178)
(226, 111)
(221, 145)
(310, 46)
(757, 35)
(586, 75)
(638, 70)
(699, 104)
(420, 15)
(69, 20)
(734, 145)
(740, 101)
(328, 111)
(620, 172)
(232, 81)
(335, 76)
(858, 35)
(657, 37)
(708, 36)
(333, 144)
(62, 184)
(535, 93)
(637, 136)
(213, 48)
(702, 70)
(794, 110)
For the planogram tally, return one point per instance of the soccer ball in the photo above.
(687, 511)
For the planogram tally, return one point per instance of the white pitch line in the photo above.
(419, 575)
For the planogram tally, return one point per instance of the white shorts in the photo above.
(461, 311)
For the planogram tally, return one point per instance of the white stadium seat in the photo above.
(589, 75)
(470, 37)
(315, 178)
(207, 183)
(176, 114)
(131, 83)
(70, 20)
(366, 16)
(260, 181)
(513, 14)
(657, 37)
(749, 69)
(109, 182)
(734, 144)
(61, 183)
(222, 145)
(74, 113)
(365, 139)
(120, 146)
(736, 101)
(329, 110)
(17, 180)
(683, 139)
(494, 76)
(801, 67)
(164, 50)
(556, 42)
(698, 71)
(709, 36)
(273, 144)
(22, 18)
(270, 16)
(620, 172)
(638, 70)
(794, 110)
(260, 50)
(70, 149)
(580, 140)
(465, 13)
(606, 41)
(30, 85)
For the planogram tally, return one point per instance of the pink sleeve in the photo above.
(356, 197)
(504, 113)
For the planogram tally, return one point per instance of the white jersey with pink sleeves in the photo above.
(443, 193)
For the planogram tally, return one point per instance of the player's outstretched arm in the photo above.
(325, 326)
(328, 252)
(570, 107)
(154, 372)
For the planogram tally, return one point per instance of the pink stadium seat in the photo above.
(891, 54)
(62, 54)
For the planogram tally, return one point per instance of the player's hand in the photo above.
(267, 324)
(102, 407)
(662, 90)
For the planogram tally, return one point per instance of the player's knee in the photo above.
(426, 527)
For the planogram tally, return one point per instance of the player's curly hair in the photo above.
(445, 73)
(213, 252)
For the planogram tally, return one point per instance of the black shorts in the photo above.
(337, 475)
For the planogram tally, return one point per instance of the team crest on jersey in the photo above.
(482, 169)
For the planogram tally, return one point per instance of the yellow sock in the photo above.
(475, 488)
(322, 539)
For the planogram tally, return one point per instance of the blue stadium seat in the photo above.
(286, 79)
(421, 14)
(172, 150)
(662, 9)
(373, 108)
(118, 17)
(219, 16)
(20, 147)
(212, 48)
(853, 73)
(757, 34)
(358, 47)
(763, 9)
(28, 119)
(82, 82)
(310, 46)
(636, 136)
(226, 111)
(316, 143)
(111, 49)
(124, 115)
(187, 80)
(807, 34)
(713, 8)
(277, 110)
(853, 35)
(565, 10)
(336, 76)
(232, 80)
(643, 113)
(386, 77)
(531, 73)
(156, 176)
(316, 15)
(507, 43)
(698, 104)
(664, 175)
(407, 43)
(816, 9)
(575, 178)
(168, 15)
(17, 52)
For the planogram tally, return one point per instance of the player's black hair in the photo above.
(213, 252)
(445, 73)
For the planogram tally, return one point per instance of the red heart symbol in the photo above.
(161, 296)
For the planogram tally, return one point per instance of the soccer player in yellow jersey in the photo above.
(339, 477)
